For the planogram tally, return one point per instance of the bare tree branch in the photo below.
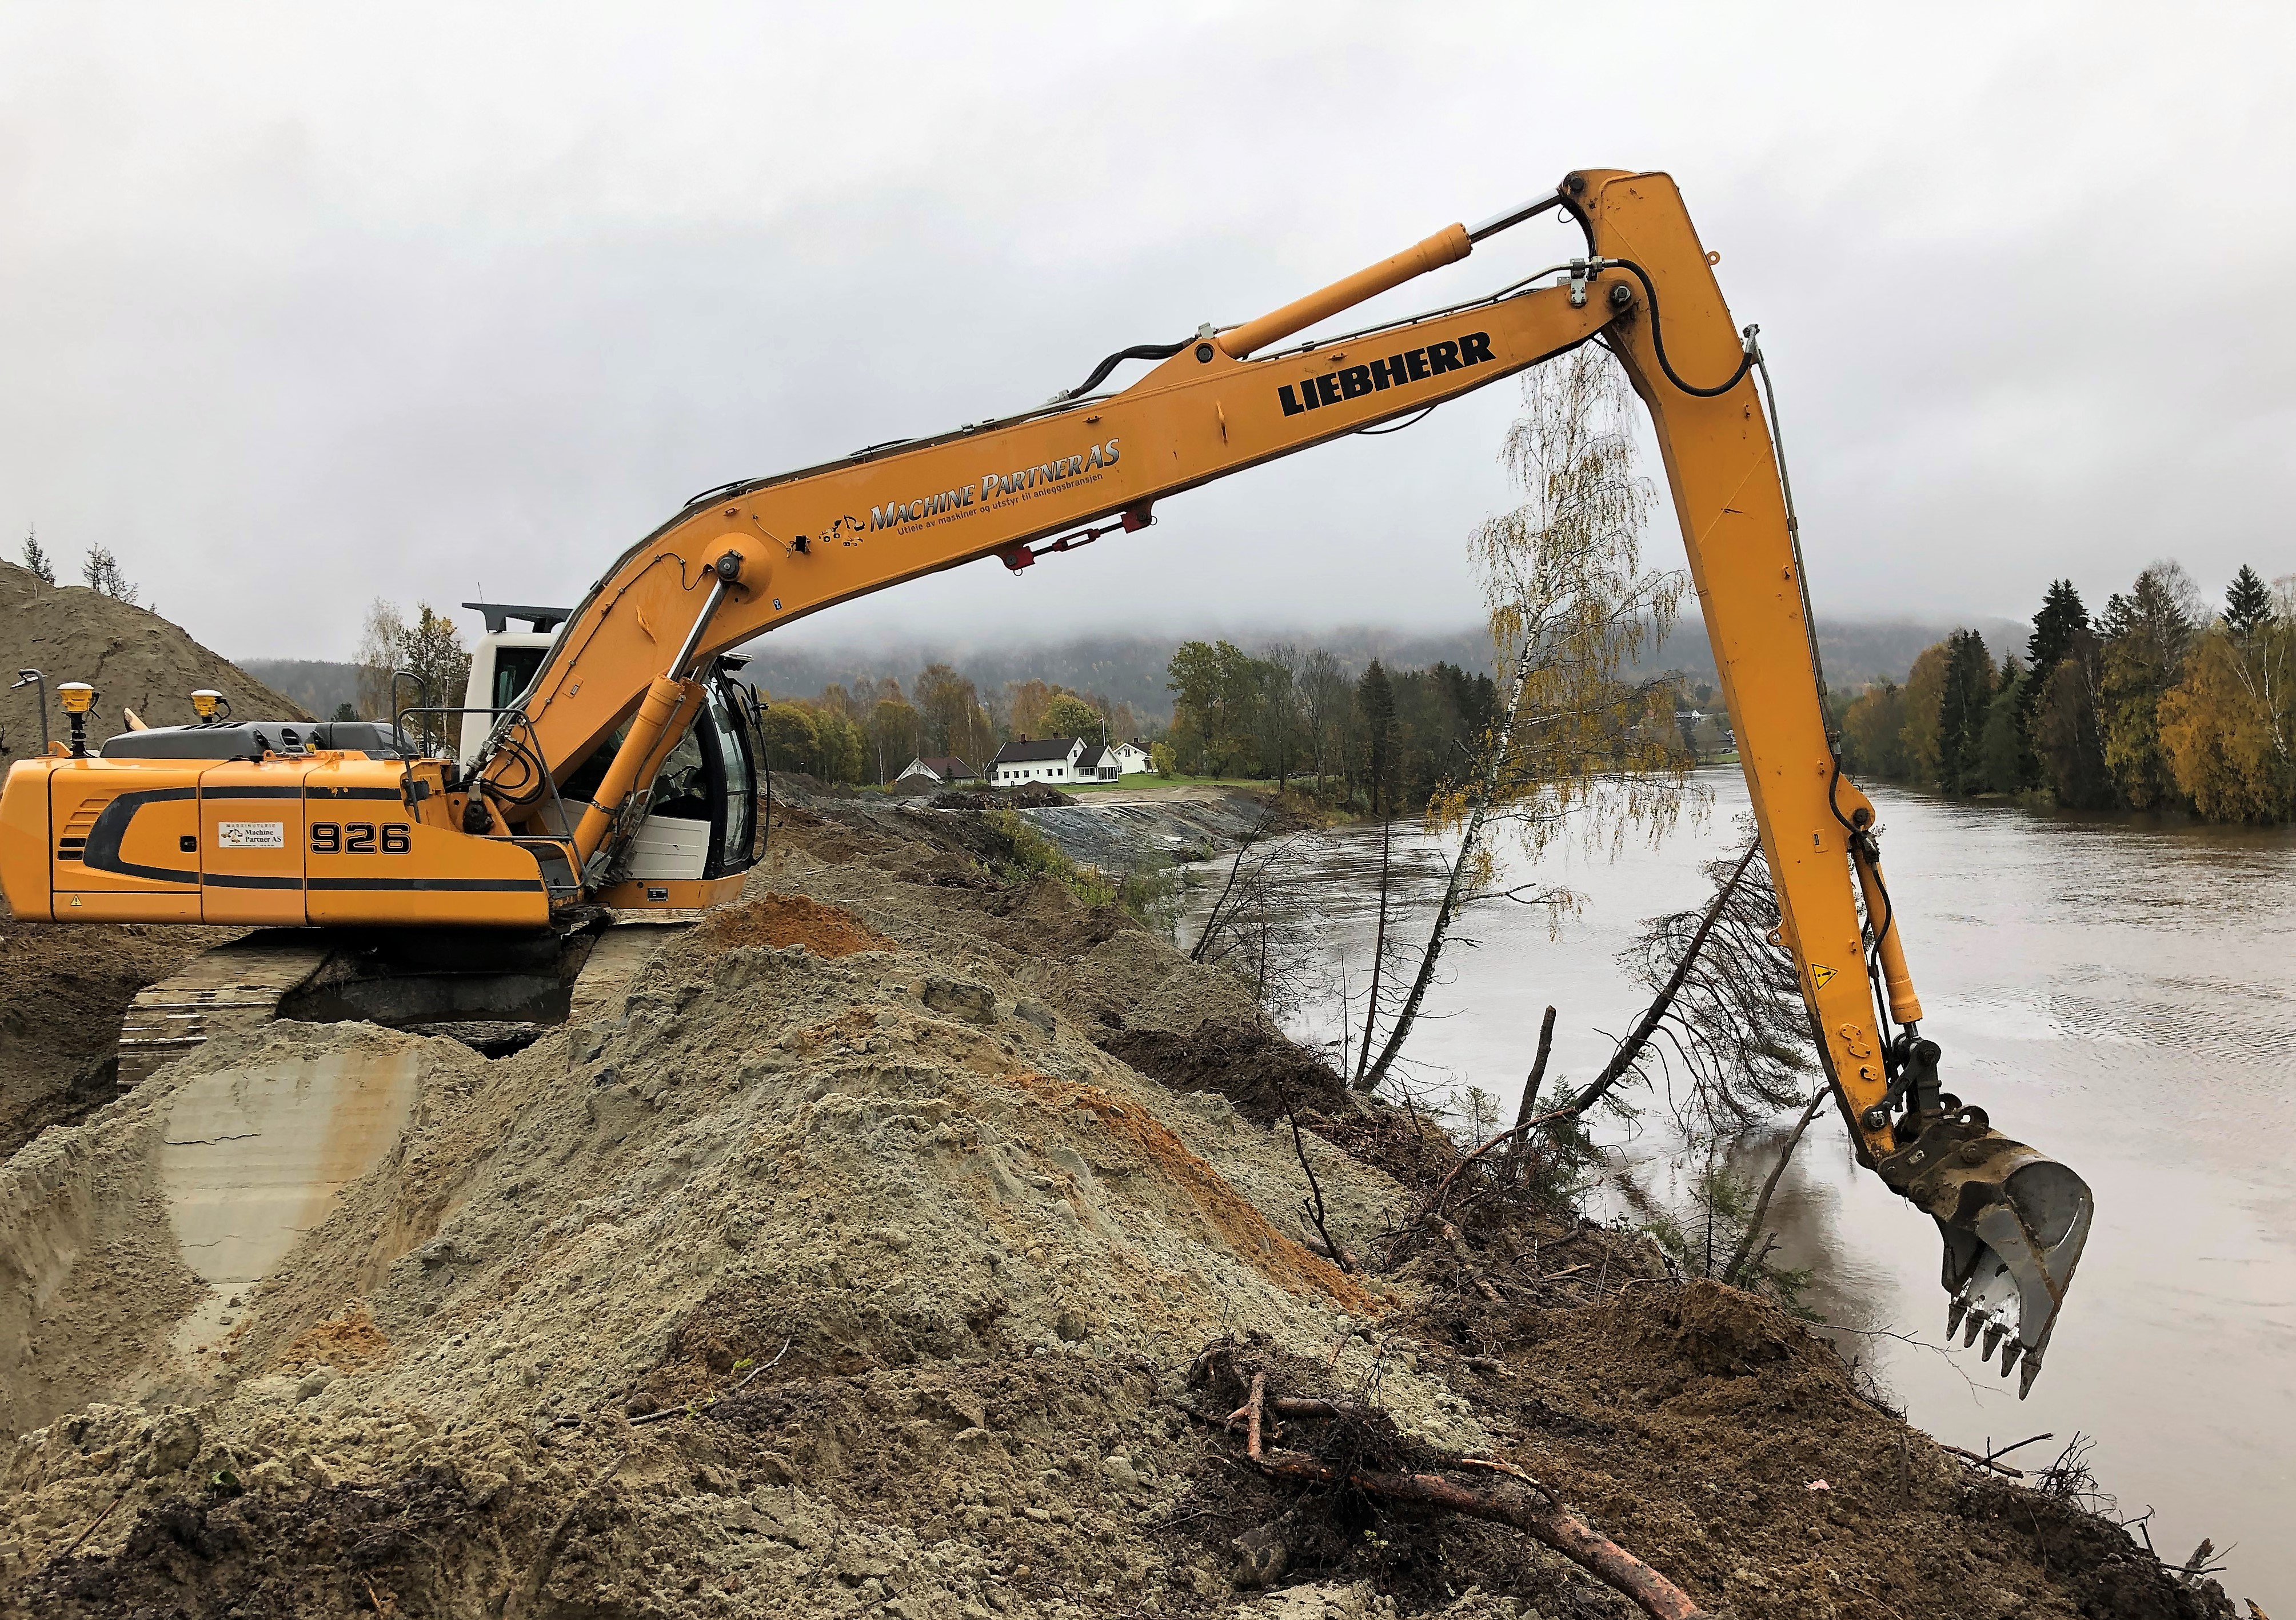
(1530, 1099)
(1736, 1266)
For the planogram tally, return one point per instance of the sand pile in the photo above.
(865, 1280)
(133, 658)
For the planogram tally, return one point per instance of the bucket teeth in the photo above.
(2032, 1369)
(2013, 1222)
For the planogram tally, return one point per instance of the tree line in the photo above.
(100, 570)
(2158, 702)
(869, 731)
(1384, 738)
(1387, 738)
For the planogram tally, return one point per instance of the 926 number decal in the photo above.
(358, 837)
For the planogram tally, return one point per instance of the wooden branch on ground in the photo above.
(98, 1519)
(1992, 1458)
(1308, 1406)
(1474, 1273)
(1974, 1460)
(2018, 1446)
(1548, 1522)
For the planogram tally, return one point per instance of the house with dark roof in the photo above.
(1047, 759)
(1097, 764)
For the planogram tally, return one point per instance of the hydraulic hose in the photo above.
(1658, 338)
(1138, 351)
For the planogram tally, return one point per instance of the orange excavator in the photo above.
(611, 762)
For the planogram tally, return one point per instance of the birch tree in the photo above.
(1575, 742)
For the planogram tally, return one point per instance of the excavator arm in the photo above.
(627, 676)
(751, 556)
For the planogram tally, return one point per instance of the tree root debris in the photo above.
(1354, 1442)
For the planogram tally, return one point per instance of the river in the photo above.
(2120, 993)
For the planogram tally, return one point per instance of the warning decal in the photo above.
(251, 835)
(1820, 974)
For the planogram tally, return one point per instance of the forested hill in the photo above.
(1132, 669)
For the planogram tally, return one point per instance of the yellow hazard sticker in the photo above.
(1820, 974)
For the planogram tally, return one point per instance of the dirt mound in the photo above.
(133, 658)
(1251, 1066)
(1033, 795)
(867, 1284)
(1710, 1328)
(791, 920)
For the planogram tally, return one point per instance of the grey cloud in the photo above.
(305, 311)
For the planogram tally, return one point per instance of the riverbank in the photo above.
(856, 1260)
(2107, 992)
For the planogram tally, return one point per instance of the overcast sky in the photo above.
(306, 304)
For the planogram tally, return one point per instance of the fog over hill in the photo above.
(798, 662)
(1130, 668)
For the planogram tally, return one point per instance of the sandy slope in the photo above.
(850, 1186)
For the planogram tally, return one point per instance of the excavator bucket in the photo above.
(2015, 1223)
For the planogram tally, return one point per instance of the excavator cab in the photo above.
(698, 833)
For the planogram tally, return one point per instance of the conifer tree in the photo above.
(2062, 617)
(1375, 698)
(2149, 633)
(36, 557)
(1961, 714)
(2248, 602)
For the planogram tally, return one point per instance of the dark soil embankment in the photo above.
(847, 1267)
(64, 992)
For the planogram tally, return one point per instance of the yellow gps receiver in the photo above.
(78, 696)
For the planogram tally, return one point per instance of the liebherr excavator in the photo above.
(625, 717)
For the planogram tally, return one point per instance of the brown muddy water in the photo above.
(2120, 992)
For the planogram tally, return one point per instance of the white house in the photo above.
(1096, 763)
(1050, 759)
(1131, 760)
(939, 768)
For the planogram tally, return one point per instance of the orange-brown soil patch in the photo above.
(791, 919)
(1284, 1260)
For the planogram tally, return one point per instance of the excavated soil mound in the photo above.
(868, 1284)
(1254, 1068)
(133, 658)
(791, 919)
(1034, 795)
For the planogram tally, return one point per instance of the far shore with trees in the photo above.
(2157, 704)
